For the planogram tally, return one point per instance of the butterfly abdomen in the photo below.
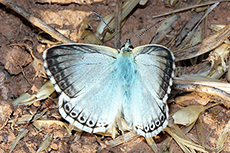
(126, 75)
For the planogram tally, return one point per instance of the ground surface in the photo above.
(14, 29)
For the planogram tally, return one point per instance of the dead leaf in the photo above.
(188, 115)
(214, 40)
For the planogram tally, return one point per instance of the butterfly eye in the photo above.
(131, 47)
(127, 45)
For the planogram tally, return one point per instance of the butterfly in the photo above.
(99, 85)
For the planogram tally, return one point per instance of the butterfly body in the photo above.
(126, 69)
(99, 85)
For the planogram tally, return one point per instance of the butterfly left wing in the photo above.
(148, 109)
(83, 75)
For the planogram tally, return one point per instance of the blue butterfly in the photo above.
(99, 85)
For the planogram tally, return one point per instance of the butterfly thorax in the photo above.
(126, 67)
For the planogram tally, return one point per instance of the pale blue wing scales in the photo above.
(148, 108)
(148, 114)
(82, 73)
(96, 109)
(69, 66)
(155, 64)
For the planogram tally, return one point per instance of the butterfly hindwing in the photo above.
(148, 114)
(82, 73)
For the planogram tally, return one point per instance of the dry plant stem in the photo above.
(207, 45)
(123, 138)
(20, 136)
(37, 22)
(218, 95)
(214, 40)
(207, 12)
(200, 132)
(188, 8)
(46, 143)
(184, 54)
(118, 19)
(152, 144)
(184, 143)
(4, 124)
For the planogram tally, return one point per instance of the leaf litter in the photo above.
(218, 91)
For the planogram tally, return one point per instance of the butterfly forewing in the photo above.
(69, 66)
(155, 64)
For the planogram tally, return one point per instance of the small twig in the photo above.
(24, 75)
(207, 12)
(4, 124)
(118, 19)
(37, 22)
(217, 95)
(188, 8)
(17, 114)
(184, 54)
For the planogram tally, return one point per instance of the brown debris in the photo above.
(6, 108)
(195, 18)
(193, 98)
(12, 29)
(68, 1)
(85, 144)
(214, 40)
(16, 58)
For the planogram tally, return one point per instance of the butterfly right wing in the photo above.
(83, 74)
(149, 110)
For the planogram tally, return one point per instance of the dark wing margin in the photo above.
(69, 65)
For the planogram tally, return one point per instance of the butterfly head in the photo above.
(127, 47)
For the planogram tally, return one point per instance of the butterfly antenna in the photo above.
(147, 30)
(108, 26)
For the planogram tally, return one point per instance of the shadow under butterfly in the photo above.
(99, 85)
